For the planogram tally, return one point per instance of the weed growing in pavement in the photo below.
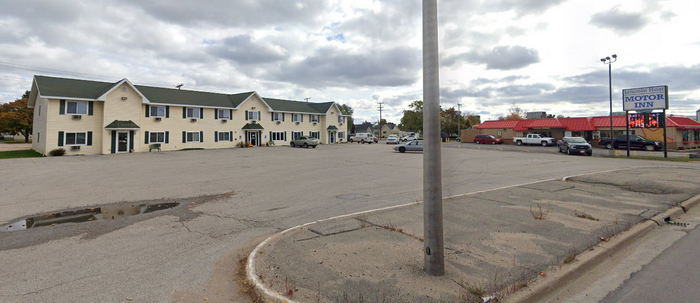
(537, 212)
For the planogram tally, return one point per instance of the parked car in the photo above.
(392, 139)
(487, 139)
(409, 137)
(364, 138)
(636, 142)
(415, 145)
(575, 146)
(304, 142)
(534, 139)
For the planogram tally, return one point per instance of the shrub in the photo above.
(57, 152)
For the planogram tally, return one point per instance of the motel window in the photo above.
(193, 137)
(255, 116)
(76, 138)
(313, 118)
(697, 135)
(157, 111)
(277, 116)
(316, 135)
(277, 136)
(156, 137)
(340, 119)
(77, 107)
(499, 133)
(193, 112)
(297, 135)
(341, 136)
(224, 114)
(297, 118)
(224, 136)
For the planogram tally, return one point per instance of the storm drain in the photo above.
(106, 212)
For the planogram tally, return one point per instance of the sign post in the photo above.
(646, 100)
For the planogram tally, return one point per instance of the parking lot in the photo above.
(597, 151)
(229, 199)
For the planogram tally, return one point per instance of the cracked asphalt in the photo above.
(191, 253)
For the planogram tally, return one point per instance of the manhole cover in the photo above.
(352, 196)
(106, 212)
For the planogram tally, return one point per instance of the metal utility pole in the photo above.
(609, 61)
(434, 250)
(381, 108)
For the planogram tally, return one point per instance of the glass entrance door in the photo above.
(123, 142)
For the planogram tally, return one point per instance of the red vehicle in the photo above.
(487, 139)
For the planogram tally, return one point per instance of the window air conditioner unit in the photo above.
(75, 147)
(158, 118)
(297, 122)
(278, 121)
(77, 117)
(193, 120)
(224, 120)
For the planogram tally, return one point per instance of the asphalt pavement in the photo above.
(674, 276)
(230, 199)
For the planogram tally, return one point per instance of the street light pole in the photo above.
(609, 61)
(434, 250)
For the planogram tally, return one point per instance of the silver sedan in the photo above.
(415, 145)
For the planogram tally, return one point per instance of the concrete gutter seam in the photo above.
(270, 294)
(591, 258)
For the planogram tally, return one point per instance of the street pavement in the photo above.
(672, 277)
(230, 199)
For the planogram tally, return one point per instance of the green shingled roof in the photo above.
(116, 124)
(62, 87)
(298, 106)
(332, 127)
(76, 88)
(253, 126)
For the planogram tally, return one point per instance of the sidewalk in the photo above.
(495, 241)
(15, 146)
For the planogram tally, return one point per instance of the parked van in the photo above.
(363, 138)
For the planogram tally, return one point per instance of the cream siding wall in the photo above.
(115, 107)
(56, 122)
(39, 126)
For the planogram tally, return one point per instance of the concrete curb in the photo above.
(273, 296)
(590, 258)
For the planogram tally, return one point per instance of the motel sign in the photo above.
(645, 98)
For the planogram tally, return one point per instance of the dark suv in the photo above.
(575, 146)
(636, 142)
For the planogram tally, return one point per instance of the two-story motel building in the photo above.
(93, 117)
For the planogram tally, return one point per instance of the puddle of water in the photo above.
(106, 212)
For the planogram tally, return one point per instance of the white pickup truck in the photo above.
(534, 139)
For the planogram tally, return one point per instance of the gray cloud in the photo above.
(678, 78)
(618, 21)
(243, 50)
(333, 67)
(235, 13)
(500, 57)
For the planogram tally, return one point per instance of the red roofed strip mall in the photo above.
(682, 132)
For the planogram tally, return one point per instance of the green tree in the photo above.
(17, 118)
(451, 121)
(412, 119)
(347, 110)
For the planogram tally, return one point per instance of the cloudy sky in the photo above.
(543, 55)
